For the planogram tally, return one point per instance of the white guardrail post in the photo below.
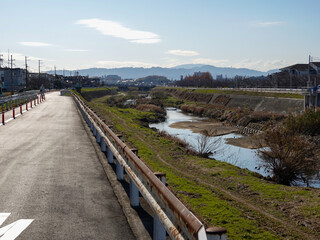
(159, 233)
(170, 215)
(119, 168)
(134, 191)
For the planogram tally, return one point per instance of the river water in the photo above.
(238, 156)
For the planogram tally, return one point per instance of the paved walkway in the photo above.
(49, 172)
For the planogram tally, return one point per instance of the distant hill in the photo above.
(173, 73)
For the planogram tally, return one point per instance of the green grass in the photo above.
(209, 204)
(98, 89)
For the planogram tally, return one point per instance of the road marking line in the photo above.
(3, 217)
(13, 230)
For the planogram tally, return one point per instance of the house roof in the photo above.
(299, 67)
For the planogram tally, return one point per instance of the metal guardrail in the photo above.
(17, 101)
(9, 100)
(178, 221)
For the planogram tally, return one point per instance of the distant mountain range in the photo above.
(173, 73)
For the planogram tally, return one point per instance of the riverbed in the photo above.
(221, 150)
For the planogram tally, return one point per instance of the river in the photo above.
(238, 156)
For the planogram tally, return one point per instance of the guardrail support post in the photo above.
(98, 137)
(3, 120)
(91, 126)
(119, 170)
(134, 194)
(94, 130)
(119, 167)
(20, 104)
(134, 191)
(109, 156)
(216, 233)
(13, 112)
(103, 145)
(159, 233)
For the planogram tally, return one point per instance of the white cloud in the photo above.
(115, 29)
(119, 64)
(35, 44)
(261, 65)
(184, 53)
(267, 24)
(76, 50)
(19, 61)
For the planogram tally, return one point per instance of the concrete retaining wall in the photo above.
(265, 104)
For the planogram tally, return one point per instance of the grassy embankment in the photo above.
(218, 193)
(238, 92)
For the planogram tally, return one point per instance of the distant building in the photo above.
(18, 78)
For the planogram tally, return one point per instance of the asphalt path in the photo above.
(51, 177)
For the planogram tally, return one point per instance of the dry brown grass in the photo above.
(150, 108)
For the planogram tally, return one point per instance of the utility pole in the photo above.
(309, 82)
(39, 66)
(27, 80)
(11, 72)
(8, 59)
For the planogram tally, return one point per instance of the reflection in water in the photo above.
(241, 157)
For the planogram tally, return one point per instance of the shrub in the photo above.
(206, 145)
(307, 123)
(151, 108)
(289, 156)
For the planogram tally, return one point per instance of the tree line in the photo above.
(276, 80)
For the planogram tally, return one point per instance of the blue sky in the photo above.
(257, 34)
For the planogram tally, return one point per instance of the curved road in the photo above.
(50, 175)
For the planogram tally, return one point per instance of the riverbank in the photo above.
(249, 142)
(213, 128)
(216, 128)
(218, 193)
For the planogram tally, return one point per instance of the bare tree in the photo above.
(289, 156)
(206, 144)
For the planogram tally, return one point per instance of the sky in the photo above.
(69, 34)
